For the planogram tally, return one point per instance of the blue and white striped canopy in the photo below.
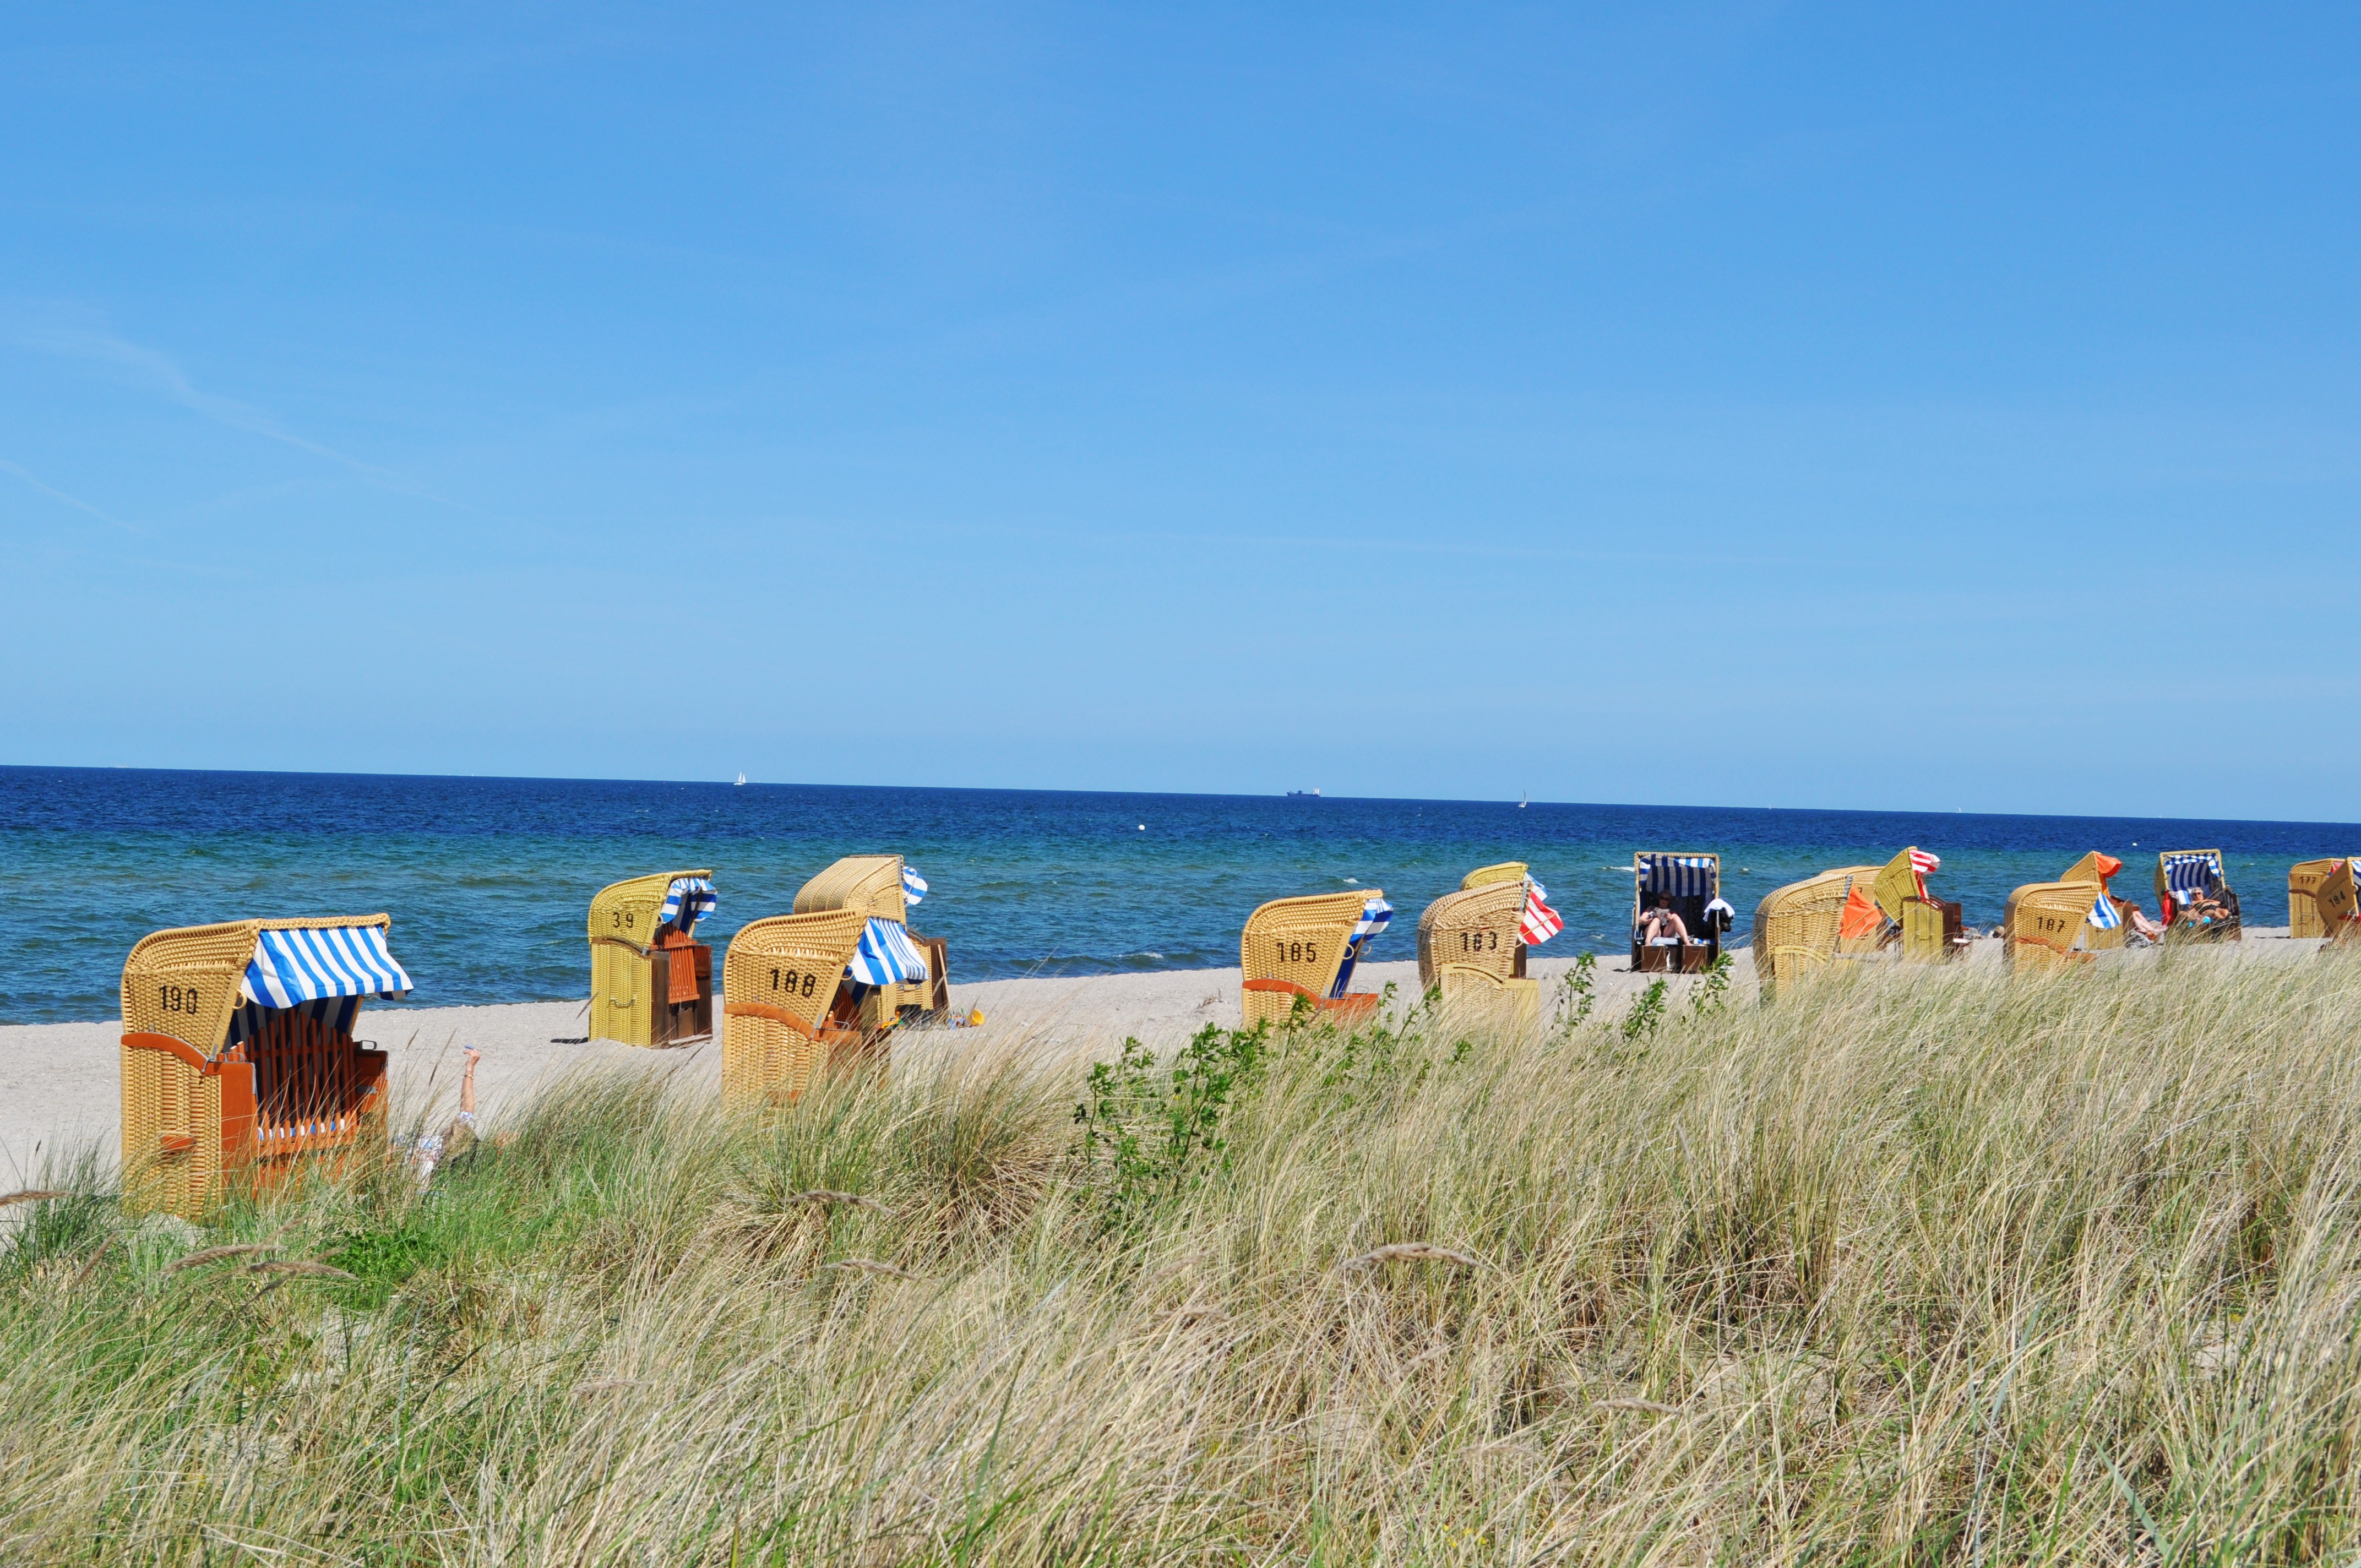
(2189, 872)
(914, 887)
(1680, 876)
(886, 955)
(696, 892)
(1374, 913)
(2104, 916)
(309, 964)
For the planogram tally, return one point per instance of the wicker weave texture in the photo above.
(779, 979)
(869, 884)
(2337, 901)
(1800, 928)
(625, 912)
(1896, 885)
(1299, 941)
(2044, 922)
(1473, 993)
(182, 985)
(172, 1144)
(2303, 881)
(1923, 938)
(1484, 876)
(1474, 928)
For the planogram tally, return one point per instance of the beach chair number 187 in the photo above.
(793, 982)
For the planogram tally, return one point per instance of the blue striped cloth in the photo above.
(696, 892)
(336, 1012)
(1374, 913)
(914, 887)
(2190, 873)
(886, 955)
(305, 965)
(2104, 916)
(1680, 876)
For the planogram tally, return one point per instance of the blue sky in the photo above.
(1778, 405)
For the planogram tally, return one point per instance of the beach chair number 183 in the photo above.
(1479, 941)
(793, 982)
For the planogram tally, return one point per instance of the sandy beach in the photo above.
(59, 1085)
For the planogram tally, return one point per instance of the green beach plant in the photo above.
(1923, 1265)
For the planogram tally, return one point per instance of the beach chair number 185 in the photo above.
(1298, 952)
(793, 982)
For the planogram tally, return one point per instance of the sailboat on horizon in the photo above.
(1524, 799)
(742, 778)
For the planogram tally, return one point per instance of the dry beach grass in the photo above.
(1932, 1266)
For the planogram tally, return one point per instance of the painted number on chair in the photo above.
(794, 982)
(1299, 952)
(177, 998)
(621, 919)
(1479, 941)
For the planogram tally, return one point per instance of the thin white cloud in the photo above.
(60, 497)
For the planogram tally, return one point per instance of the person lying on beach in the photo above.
(432, 1146)
(1661, 923)
(2142, 927)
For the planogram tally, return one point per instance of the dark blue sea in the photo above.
(489, 881)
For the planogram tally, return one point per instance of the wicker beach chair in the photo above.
(2182, 872)
(882, 888)
(1693, 882)
(1469, 948)
(1931, 929)
(240, 1064)
(1800, 927)
(650, 980)
(2336, 903)
(1308, 948)
(786, 1013)
(2050, 924)
(2303, 881)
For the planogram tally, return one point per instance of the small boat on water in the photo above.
(1303, 794)
(742, 778)
(1524, 800)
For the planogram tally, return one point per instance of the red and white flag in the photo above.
(1540, 922)
(1922, 862)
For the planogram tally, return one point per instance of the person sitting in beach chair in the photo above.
(1674, 928)
(1660, 926)
(2195, 895)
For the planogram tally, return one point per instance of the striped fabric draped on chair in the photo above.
(1374, 915)
(886, 956)
(694, 892)
(309, 964)
(1682, 876)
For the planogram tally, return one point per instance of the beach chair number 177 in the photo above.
(793, 983)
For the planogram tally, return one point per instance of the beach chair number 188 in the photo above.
(793, 982)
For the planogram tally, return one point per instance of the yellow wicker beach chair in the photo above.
(882, 888)
(1931, 929)
(1800, 928)
(1308, 948)
(1469, 949)
(786, 1013)
(240, 1064)
(2182, 873)
(2303, 881)
(2336, 903)
(1693, 882)
(2048, 925)
(650, 980)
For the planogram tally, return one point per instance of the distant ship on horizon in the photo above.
(1313, 793)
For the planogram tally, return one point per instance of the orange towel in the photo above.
(1862, 917)
(681, 973)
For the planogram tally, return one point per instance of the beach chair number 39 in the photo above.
(623, 919)
(793, 983)
(1298, 952)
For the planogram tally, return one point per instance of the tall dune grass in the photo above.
(1910, 1266)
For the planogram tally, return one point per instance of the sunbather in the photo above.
(432, 1146)
(1661, 923)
